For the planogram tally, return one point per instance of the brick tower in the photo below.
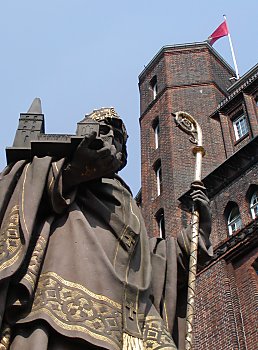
(195, 79)
(192, 78)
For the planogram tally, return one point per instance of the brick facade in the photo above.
(195, 79)
(184, 74)
(226, 302)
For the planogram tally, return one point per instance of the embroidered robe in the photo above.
(78, 271)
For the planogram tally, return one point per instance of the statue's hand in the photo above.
(95, 157)
(202, 204)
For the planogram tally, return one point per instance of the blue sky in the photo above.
(79, 55)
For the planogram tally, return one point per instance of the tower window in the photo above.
(254, 205)
(156, 133)
(154, 86)
(161, 223)
(158, 171)
(240, 126)
(234, 220)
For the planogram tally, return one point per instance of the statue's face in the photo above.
(112, 135)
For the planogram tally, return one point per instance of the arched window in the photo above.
(161, 223)
(156, 133)
(154, 86)
(234, 220)
(158, 171)
(254, 205)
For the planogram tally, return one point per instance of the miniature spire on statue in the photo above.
(35, 107)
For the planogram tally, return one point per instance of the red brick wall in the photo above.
(185, 82)
(193, 80)
(227, 292)
(252, 110)
(225, 306)
(247, 289)
(236, 192)
(215, 326)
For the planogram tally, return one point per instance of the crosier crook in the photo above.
(189, 125)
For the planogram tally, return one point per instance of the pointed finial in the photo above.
(35, 107)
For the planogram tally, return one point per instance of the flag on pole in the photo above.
(221, 31)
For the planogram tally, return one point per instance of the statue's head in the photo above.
(111, 128)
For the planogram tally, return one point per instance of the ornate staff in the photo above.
(190, 126)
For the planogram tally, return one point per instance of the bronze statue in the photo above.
(77, 268)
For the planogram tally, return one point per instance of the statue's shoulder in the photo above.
(122, 182)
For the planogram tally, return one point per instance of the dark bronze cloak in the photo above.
(78, 271)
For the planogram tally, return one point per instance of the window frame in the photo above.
(156, 129)
(161, 223)
(158, 173)
(235, 220)
(154, 86)
(254, 205)
(239, 132)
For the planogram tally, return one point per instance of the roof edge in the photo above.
(193, 45)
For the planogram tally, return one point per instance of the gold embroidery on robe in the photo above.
(10, 240)
(155, 335)
(35, 262)
(73, 307)
(5, 335)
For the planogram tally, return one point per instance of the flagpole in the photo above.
(232, 50)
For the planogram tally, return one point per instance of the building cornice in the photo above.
(232, 168)
(182, 47)
(236, 245)
(238, 87)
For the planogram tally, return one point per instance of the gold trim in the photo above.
(165, 312)
(127, 268)
(11, 226)
(123, 220)
(5, 336)
(137, 308)
(11, 261)
(29, 279)
(81, 287)
(73, 307)
(156, 336)
(102, 113)
(132, 343)
(51, 182)
(35, 261)
(118, 243)
(57, 170)
(23, 190)
(76, 328)
(134, 214)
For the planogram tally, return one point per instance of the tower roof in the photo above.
(181, 47)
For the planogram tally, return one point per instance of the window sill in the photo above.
(241, 139)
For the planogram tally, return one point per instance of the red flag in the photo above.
(221, 31)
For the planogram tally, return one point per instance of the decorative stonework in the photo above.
(246, 236)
